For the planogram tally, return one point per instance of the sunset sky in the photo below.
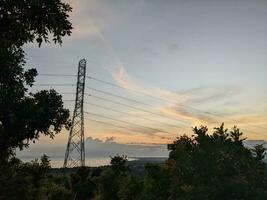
(190, 62)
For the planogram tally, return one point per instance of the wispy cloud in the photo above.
(125, 80)
(176, 105)
(204, 95)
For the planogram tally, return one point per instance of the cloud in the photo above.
(125, 80)
(248, 120)
(211, 94)
(109, 139)
(152, 133)
(196, 109)
(94, 149)
(179, 105)
(195, 115)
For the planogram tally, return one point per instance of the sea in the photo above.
(90, 162)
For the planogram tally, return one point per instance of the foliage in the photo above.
(119, 162)
(23, 115)
(203, 166)
(156, 183)
(216, 166)
(29, 20)
(114, 175)
(82, 184)
(28, 179)
(206, 167)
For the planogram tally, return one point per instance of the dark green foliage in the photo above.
(24, 21)
(156, 183)
(108, 185)
(206, 167)
(119, 162)
(108, 182)
(130, 188)
(216, 166)
(23, 115)
(82, 185)
(259, 151)
(41, 113)
(117, 182)
(27, 179)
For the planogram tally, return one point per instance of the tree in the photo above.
(156, 183)
(130, 188)
(24, 115)
(259, 151)
(116, 181)
(119, 162)
(216, 166)
(29, 20)
(82, 185)
(26, 180)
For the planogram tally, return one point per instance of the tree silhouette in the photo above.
(216, 166)
(24, 115)
(259, 151)
(119, 162)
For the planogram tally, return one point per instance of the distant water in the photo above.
(91, 162)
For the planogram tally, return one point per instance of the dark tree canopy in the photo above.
(24, 115)
(26, 20)
(216, 166)
(118, 162)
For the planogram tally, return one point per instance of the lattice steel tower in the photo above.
(75, 154)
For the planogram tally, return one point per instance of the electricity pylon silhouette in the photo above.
(75, 154)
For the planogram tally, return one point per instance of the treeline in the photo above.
(206, 167)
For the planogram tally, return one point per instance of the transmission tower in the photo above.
(75, 154)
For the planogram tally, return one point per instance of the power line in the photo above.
(136, 91)
(118, 86)
(107, 83)
(118, 96)
(57, 75)
(55, 84)
(137, 116)
(163, 99)
(115, 95)
(122, 121)
(141, 117)
(126, 105)
(147, 111)
(133, 107)
(124, 127)
(115, 85)
(108, 93)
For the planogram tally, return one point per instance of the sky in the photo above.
(179, 63)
